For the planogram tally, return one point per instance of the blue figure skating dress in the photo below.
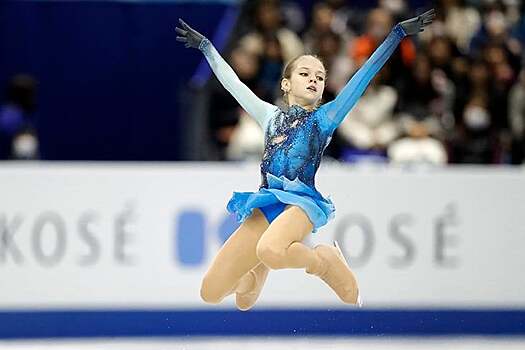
(295, 139)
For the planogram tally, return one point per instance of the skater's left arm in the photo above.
(337, 109)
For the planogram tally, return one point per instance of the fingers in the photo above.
(430, 13)
(184, 25)
(181, 31)
(183, 38)
(427, 17)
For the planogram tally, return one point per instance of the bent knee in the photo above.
(271, 256)
(210, 291)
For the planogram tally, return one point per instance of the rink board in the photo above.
(99, 247)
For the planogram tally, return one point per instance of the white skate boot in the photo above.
(335, 272)
(247, 299)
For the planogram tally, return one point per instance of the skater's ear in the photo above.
(285, 85)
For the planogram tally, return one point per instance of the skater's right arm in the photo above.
(257, 108)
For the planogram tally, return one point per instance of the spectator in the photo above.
(293, 15)
(370, 125)
(495, 32)
(338, 66)
(397, 8)
(456, 91)
(475, 141)
(379, 23)
(427, 92)
(476, 81)
(322, 18)
(518, 32)
(268, 21)
(224, 111)
(347, 19)
(461, 22)
(517, 119)
(441, 52)
(502, 76)
(271, 66)
(246, 141)
(418, 146)
(18, 138)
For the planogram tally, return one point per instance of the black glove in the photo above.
(417, 24)
(188, 35)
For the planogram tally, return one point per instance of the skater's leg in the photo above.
(236, 258)
(281, 247)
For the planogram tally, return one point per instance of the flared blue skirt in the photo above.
(282, 190)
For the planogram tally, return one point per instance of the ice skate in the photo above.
(335, 272)
(247, 299)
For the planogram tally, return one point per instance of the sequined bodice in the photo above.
(294, 144)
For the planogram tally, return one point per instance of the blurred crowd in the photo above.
(453, 94)
(18, 136)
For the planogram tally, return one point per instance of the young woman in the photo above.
(288, 207)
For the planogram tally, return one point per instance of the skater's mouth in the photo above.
(312, 88)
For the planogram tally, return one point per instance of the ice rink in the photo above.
(273, 343)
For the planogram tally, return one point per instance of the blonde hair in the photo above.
(288, 69)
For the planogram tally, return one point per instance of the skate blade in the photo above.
(336, 245)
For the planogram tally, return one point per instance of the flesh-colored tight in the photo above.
(259, 245)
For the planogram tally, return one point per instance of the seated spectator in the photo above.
(18, 138)
(457, 21)
(397, 8)
(268, 22)
(379, 23)
(502, 76)
(427, 92)
(475, 140)
(347, 18)
(246, 141)
(418, 146)
(517, 119)
(518, 32)
(271, 66)
(445, 57)
(338, 66)
(496, 31)
(441, 52)
(224, 111)
(323, 18)
(370, 125)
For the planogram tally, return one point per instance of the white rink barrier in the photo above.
(97, 235)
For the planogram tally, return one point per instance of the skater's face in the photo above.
(304, 81)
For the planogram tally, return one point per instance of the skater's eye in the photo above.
(320, 78)
(304, 74)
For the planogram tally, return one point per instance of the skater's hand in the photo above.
(417, 24)
(188, 35)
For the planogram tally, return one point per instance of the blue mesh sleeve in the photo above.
(257, 108)
(337, 109)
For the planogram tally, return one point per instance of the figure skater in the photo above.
(287, 207)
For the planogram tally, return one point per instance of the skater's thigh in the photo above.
(292, 225)
(237, 256)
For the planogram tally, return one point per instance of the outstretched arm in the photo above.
(347, 98)
(252, 104)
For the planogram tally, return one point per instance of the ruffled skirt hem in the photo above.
(280, 189)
